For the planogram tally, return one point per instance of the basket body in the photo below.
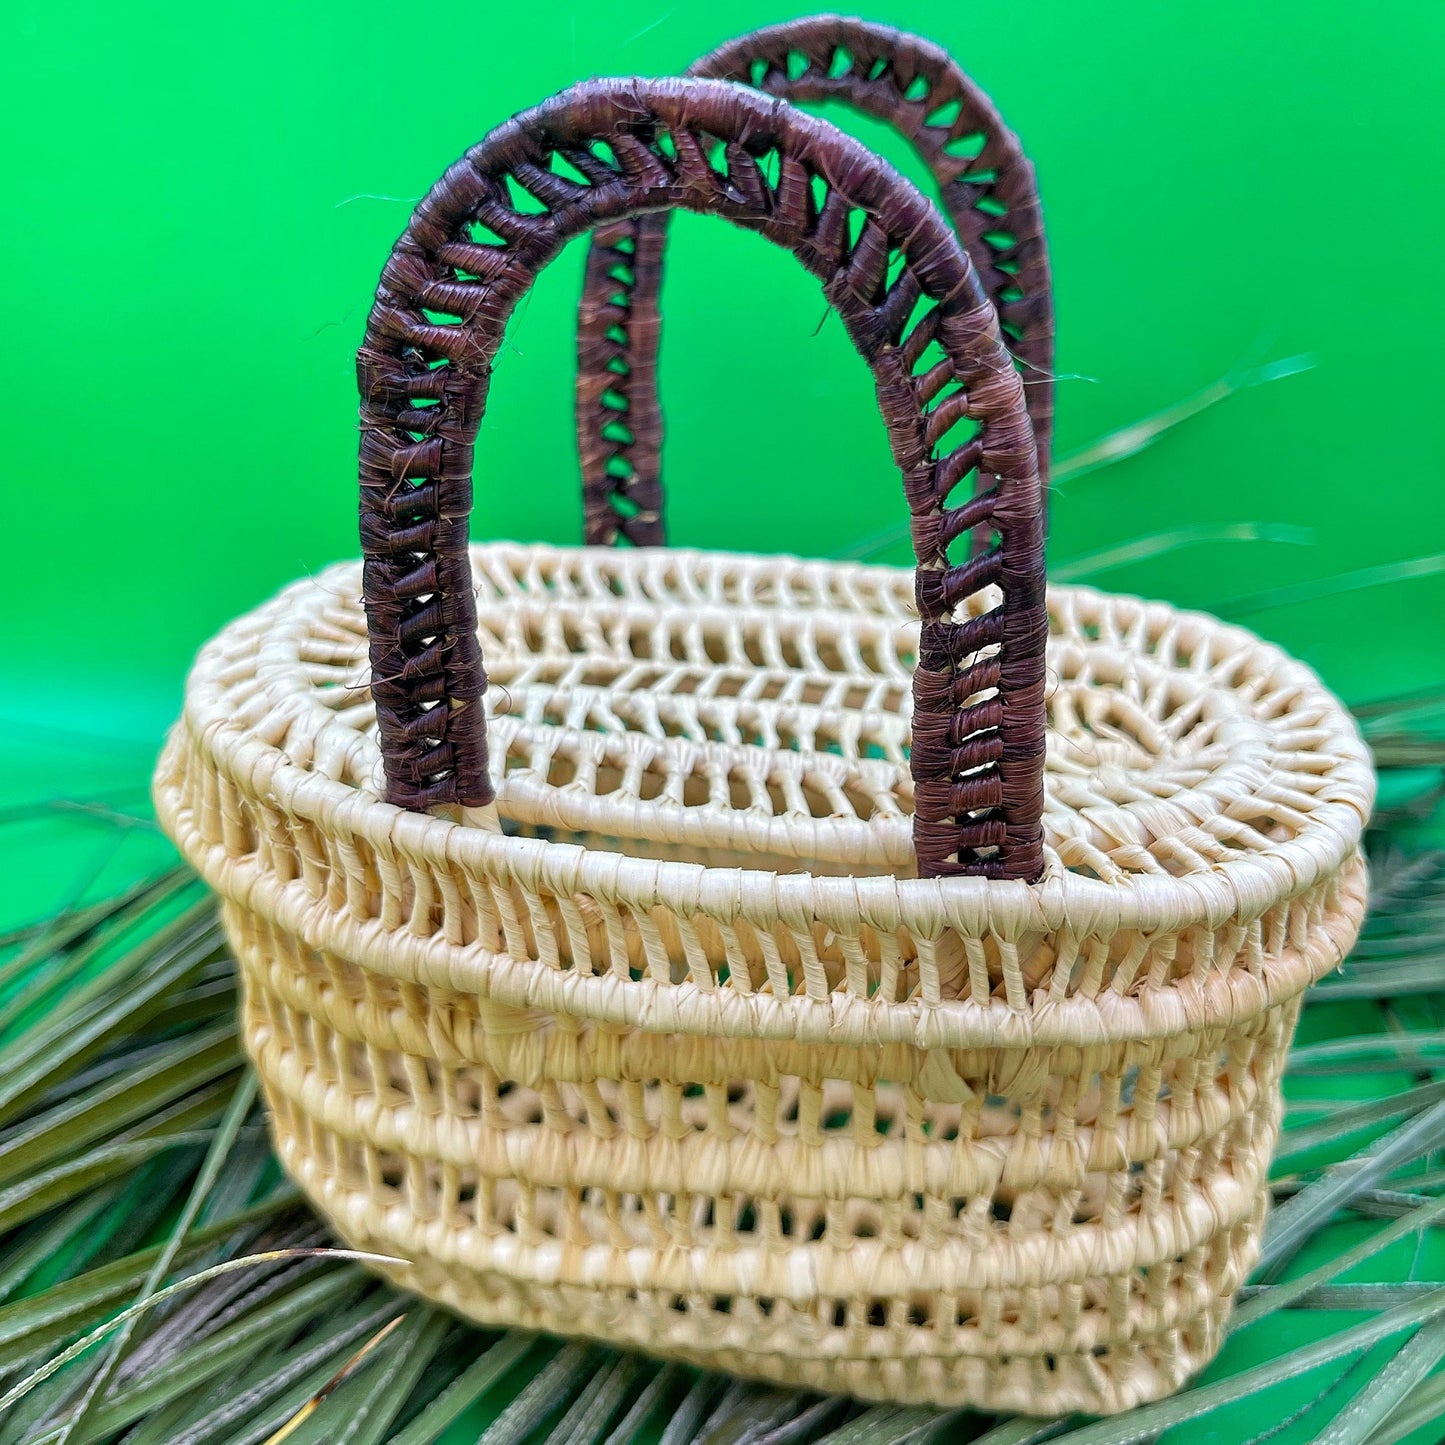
(685, 1061)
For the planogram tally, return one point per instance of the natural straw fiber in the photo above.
(673, 1048)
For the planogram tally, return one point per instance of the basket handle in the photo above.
(899, 281)
(989, 193)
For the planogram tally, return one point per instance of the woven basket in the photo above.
(671, 1042)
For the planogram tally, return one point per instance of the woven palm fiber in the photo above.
(677, 1025)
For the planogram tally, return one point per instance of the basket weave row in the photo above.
(676, 1021)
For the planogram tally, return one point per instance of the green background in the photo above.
(192, 244)
(198, 201)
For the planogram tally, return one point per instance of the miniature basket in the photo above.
(667, 1045)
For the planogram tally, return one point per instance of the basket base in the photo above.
(919, 1299)
(883, 1366)
(1135, 1314)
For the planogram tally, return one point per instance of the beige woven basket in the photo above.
(671, 1048)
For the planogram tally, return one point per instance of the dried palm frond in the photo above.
(161, 1283)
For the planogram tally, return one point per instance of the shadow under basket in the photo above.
(864, 979)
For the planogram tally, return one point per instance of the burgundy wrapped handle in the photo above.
(985, 182)
(899, 280)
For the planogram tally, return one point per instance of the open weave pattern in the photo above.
(918, 1139)
(904, 291)
(986, 185)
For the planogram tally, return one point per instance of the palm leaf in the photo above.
(159, 1283)
(1127, 442)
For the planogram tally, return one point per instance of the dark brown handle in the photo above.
(899, 281)
(985, 182)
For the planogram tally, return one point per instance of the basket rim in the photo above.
(1242, 887)
(837, 1019)
(1241, 890)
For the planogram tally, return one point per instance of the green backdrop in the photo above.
(206, 193)
(199, 198)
